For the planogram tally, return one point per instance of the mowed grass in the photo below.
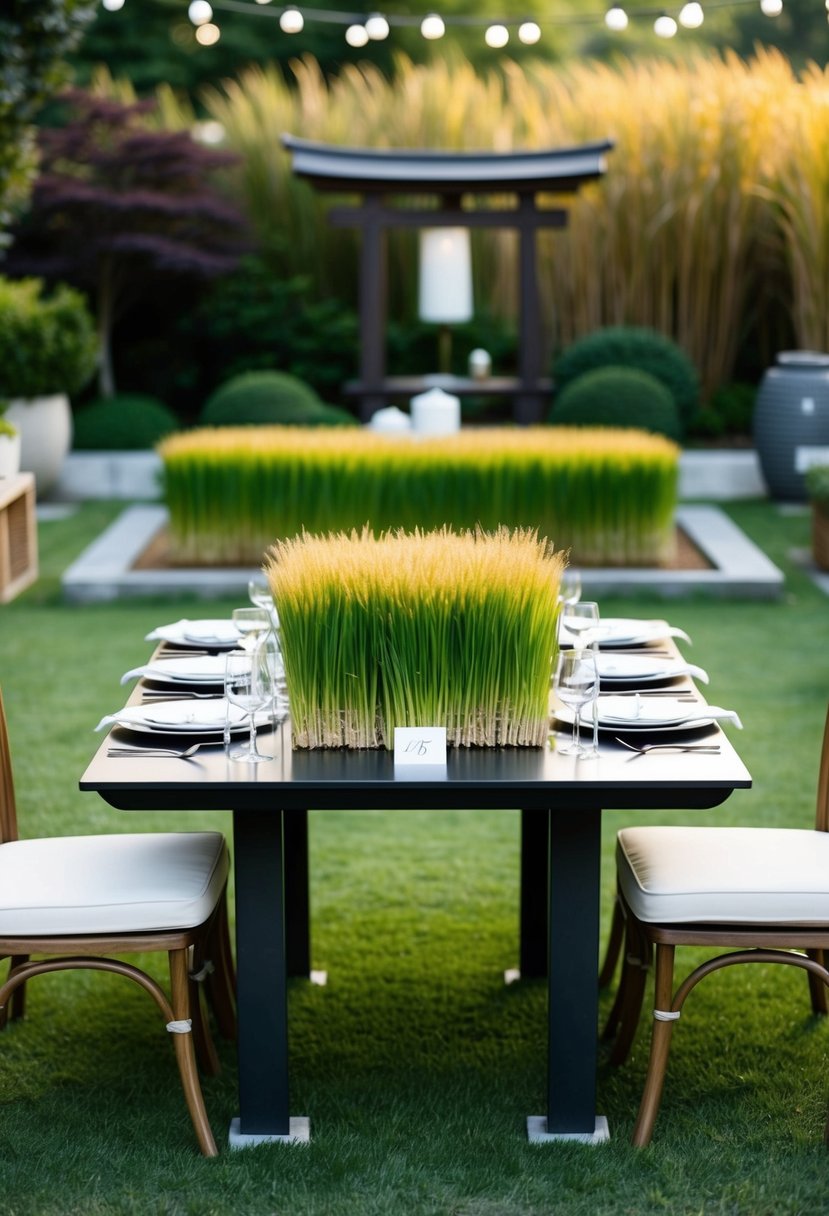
(416, 1065)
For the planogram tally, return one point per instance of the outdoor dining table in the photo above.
(561, 800)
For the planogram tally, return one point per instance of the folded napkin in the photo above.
(633, 667)
(201, 669)
(623, 632)
(208, 633)
(627, 711)
(172, 715)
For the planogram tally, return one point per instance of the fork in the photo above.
(181, 754)
(712, 749)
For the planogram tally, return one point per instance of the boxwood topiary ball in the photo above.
(261, 398)
(637, 347)
(617, 396)
(127, 422)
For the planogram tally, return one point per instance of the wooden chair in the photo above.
(78, 898)
(761, 894)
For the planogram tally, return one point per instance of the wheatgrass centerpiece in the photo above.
(607, 495)
(439, 628)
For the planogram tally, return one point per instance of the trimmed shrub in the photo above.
(644, 349)
(264, 398)
(127, 422)
(617, 397)
(47, 341)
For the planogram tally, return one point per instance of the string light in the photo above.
(432, 26)
(691, 15)
(291, 21)
(200, 12)
(496, 36)
(616, 19)
(529, 33)
(664, 26)
(375, 26)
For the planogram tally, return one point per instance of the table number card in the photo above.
(419, 745)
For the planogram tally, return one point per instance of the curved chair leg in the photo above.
(614, 945)
(185, 1053)
(638, 960)
(817, 989)
(221, 983)
(203, 1044)
(660, 1047)
(16, 1007)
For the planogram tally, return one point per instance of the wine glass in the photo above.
(249, 685)
(252, 623)
(576, 683)
(580, 620)
(261, 596)
(569, 587)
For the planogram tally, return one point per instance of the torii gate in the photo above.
(379, 173)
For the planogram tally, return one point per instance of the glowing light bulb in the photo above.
(529, 32)
(356, 35)
(496, 36)
(691, 15)
(377, 27)
(291, 21)
(208, 34)
(616, 19)
(664, 26)
(112, 6)
(432, 26)
(771, 8)
(200, 12)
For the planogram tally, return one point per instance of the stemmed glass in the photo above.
(569, 587)
(248, 684)
(260, 595)
(576, 683)
(580, 620)
(252, 623)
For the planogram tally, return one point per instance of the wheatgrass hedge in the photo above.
(607, 495)
(417, 629)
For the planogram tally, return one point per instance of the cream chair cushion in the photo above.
(128, 883)
(775, 876)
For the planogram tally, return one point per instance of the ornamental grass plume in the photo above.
(417, 629)
(606, 494)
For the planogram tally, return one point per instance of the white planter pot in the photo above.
(9, 455)
(45, 427)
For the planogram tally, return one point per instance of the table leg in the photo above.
(261, 982)
(297, 902)
(573, 1000)
(533, 897)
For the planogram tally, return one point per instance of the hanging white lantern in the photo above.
(496, 36)
(691, 15)
(200, 12)
(664, 26)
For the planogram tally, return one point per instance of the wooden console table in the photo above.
(18, 535)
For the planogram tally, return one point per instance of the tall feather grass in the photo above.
(417, 629)
(718, 165)
(607, 495)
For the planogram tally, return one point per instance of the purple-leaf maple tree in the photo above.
(119, 206)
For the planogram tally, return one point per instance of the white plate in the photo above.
(192, 669)
(182, 718)
(218, 634)
(624, 631)
(565, 715)
(643, 669)
(656, 713)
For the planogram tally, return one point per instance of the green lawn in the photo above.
(416, 1064)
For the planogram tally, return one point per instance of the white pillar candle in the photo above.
(436, 413)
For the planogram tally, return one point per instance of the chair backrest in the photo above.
(8, 813)
(822, 812)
